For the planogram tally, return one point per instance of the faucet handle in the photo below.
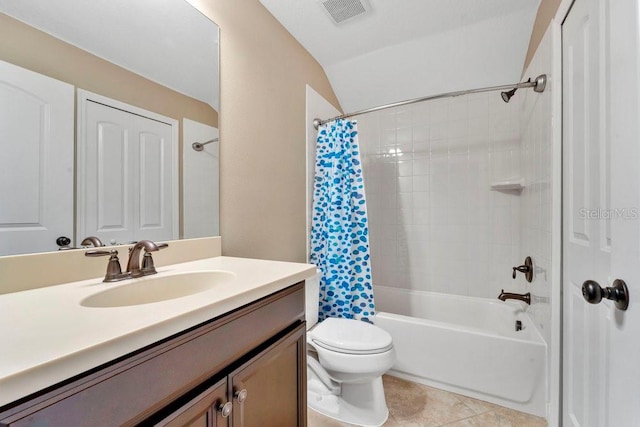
(526, 268)
(147, 260)
(99, 253)
(91, 241)
(114, 271)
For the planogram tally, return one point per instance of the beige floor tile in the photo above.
(314, 419)
(479, 406)
(521, 419)
(500, 418)
(417, 405)
(414, 403)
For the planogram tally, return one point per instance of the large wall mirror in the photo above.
(108, 123)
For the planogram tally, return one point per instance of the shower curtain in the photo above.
(339, 227)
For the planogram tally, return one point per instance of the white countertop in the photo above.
(47, 336)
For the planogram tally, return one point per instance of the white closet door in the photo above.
(127, 174)
(155, 197)
(36, 161)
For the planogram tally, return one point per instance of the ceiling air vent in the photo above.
(341, 11)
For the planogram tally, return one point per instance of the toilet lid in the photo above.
(351, 336)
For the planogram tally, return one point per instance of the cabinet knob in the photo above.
(241, 395)
(225, 410)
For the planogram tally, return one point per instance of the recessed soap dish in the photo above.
(509, 185)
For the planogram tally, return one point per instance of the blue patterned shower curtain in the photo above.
(339, 225)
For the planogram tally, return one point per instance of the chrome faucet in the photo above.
(521, 297)
(91, 240)
(133, 265)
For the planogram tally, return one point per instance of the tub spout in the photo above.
(521, 297)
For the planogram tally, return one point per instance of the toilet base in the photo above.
(362, 404)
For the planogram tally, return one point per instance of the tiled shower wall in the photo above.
(435, 223)
(536, 213)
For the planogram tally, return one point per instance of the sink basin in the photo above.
(151, 289)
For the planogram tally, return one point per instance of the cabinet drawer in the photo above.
(131, 389)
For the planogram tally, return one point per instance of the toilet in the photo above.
(345, 363)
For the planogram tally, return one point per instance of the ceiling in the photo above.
(167, 41)
(405, 49)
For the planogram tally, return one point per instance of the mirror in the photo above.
(158, 58)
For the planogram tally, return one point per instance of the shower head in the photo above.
(506, 96)
(538, 85)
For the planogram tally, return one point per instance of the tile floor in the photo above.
(416, 405)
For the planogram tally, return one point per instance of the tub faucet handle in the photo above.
(526, 268)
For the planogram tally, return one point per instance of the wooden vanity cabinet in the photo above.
(253, 357)
(264, 391)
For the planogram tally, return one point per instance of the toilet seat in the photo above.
(350, 337)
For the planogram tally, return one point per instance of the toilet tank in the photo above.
(312, 297)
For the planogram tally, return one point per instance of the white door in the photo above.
(624, 341)
(601, 237)
(36, 161)
(127, 173)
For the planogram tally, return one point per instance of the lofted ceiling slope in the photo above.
(405, 49)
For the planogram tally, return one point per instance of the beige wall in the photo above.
(37, 51)
(264, 71)
(546, 12)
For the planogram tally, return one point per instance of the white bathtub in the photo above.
(466, 345)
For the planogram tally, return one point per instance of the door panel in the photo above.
(272, 379)
(40, 158)
(105, 182)
(576, 121)
(112, 178)
(575, 378)
(585, 242)
(156, 197)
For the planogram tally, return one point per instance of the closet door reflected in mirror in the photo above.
(127, 172)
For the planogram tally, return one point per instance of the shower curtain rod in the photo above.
(538, 85)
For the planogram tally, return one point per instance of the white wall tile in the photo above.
(435, 211)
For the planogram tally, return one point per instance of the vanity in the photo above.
(230, 354)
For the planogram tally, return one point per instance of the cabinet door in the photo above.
(206, 410)
(270, 389)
